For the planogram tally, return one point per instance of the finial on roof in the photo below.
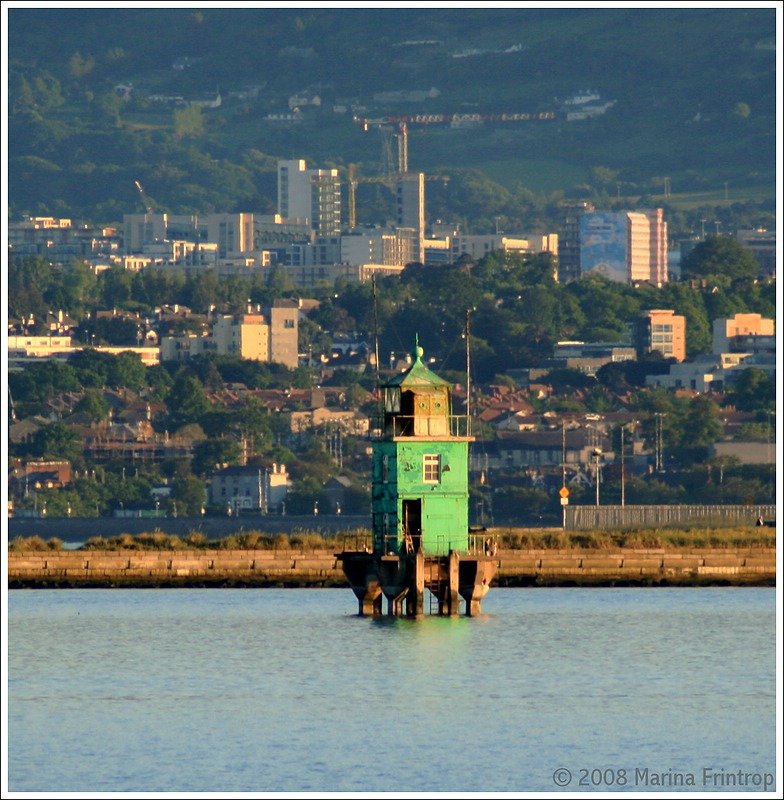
(418, 351)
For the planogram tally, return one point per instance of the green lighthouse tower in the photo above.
(421, 539)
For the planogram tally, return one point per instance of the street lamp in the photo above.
(623, 473)
(597, 454)
(633, 423)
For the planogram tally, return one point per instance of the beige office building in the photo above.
(664, 331)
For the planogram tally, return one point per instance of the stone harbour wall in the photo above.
(292, 568)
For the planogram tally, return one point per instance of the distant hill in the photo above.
(690, 95)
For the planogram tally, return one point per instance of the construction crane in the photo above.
(387, 127)
(353, 180)
(455, 120)
(145, 200)
(402, 122)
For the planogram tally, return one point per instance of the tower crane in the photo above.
(404, 121)
(387, 125)
(353, 180)
(145, 200)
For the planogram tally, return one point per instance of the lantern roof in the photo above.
(417, 376)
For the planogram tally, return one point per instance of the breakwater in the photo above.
(310, 568)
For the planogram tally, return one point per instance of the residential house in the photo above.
(259, 487)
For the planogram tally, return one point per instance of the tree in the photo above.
(28, 279)
(126, 370)
(253, 422)
(209, 453)
(189, 494)
(159, 381)
(186, 399)
(56, 441)
(720, 259)
(92, 367)
(39, 382)
(188, 122)
(115, 286)
(79, 66)
(115, 331)
(753, 391)
(94, 406)
(202, 291)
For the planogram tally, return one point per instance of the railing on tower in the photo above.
(418, 425)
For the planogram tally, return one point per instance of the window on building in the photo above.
(431, 468)
(385, 469)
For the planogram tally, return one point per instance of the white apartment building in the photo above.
(625, 246)
(743, 332)
(448, 249)
(233, 233)
(378, 246)
(271, 334)
(262, 488)
(309, 194)
(410, 197)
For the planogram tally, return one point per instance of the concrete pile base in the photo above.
(403, 579)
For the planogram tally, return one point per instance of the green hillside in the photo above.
(694, 94)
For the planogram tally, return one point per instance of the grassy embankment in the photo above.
(507, 538)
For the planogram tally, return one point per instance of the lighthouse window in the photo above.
(431, 468)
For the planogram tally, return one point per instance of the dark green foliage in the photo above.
(720, 260)
(75, 144)
(189, 494)
(754, 390)
(56, 441)
(39, 382)
(94, 405)
(187, 400)
(211, 454)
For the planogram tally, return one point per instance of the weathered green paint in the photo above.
(420, 468)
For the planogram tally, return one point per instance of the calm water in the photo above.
(245, 690)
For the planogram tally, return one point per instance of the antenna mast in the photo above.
(468, 371)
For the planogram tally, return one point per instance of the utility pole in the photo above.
(623, 474)
(659, 441)
(468, 370)
(563, 453)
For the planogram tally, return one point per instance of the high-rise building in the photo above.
(625, 246)
(233, 233)
(284, 332)
(762, 243)
(569, 240)
(309, 194)
(661, 330)
(270, 334)
(142, 229)
(411, 210)
(742, 332)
